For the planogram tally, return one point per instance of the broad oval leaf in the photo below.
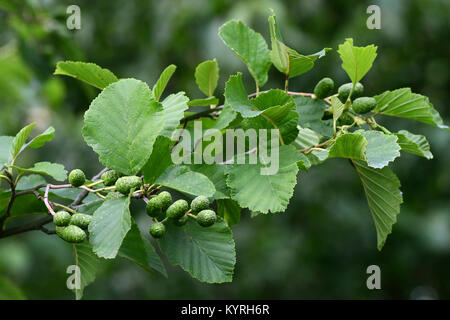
(163, 80)
(381, 148)
(87, 72)
(414, 143)
(122, 124)
(54, 170)
(250, 46)
(237, 98)
(174, 106)
(350, 146)
(206, 76)
(356, 61)
(208, 254)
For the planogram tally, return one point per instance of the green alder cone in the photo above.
(199, 203)
(81, 220)
(71, 234)
(206, 218)
(113, 195)
(345, 119)
(182, 221)
(110, 177)
(61, 218)
(77, 178)
(154, 207)
(166, 199)
(177, 209)
(157, 230)
(344, 91)
(363, 105)
(125, 184)
(324, 88)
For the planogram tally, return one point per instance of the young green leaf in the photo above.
(208, 254)
(41, 139)
(174, 107)
(20, 139)
(405, 104)
(159, 160)
(164, 78)
(248, 45)
(182, 179)
(356, 61)
(338, 108)
(237, 98)
(384, 197)
(203, 102)
(87, 72)
(381, 148)
(109, 226)
(350, 146)
(414, 143)
(88, 263)
(206, 76)
(54, 170)
(122, 124)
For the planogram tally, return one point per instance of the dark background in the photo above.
(321, 246)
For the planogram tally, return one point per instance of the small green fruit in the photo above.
(157, 230)
(324, 88)
(199, 203)
(177, 209)
(71, 233)
(77, 178)
(344, 91)
(110, 177)
(206, 218)
(61, 218)
(113, 195)
(81, 220)
(364, 105)
(154, 207)
(166, 199)
(345, 119)
(125, 184)
(182, 221)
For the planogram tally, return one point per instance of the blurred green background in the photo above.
(322, 245)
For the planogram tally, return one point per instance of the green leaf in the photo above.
(350, 146)
(356, 61)
(381, 148)
(287, 60)
(311, 112)
(138, 250)
(216, 173)
(306, 138)
(383, 196)
(264, 192)
(54, 170)
(208, 254)
(405, 104)
(226, 117)
(414, 143)
(248, 45)
(5, 150)
(164, 78)
(278, 112)
(41, 139)
(19, 140)
(88, 263)
(87, 72)
(122, 124)
(237, 98)
(159, 160)
(110, 224)
(206, 76)
(338, 108)
(203, 102)
(174, 107)
(229, 210)
(182, 179)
